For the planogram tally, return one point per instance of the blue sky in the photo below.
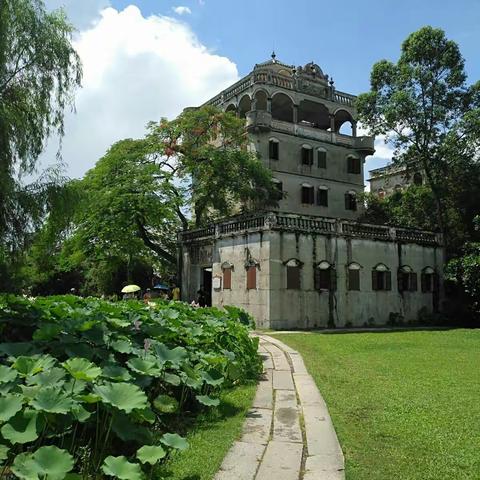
(145, 59)
(344, 38)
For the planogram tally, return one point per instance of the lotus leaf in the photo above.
(80, 414)
(116, 372)
(27, 366)
(52, 400)
(3, 452)
(122, 346)
(9, 406)
(47, 331)
(54, 376)
(214, 380)
(145, 367)
(172, 379)
(175, 356)
(208, 401)
(47, 462)
(175, 441)
(123, 396)
(145, 415)
(75, 386)
(166, 404)
(30, 392)
(120, 467)
(119, 322)
(17, 349)
(82, 369)
(151, 454)
(22, 428)
(6, 387)
(128, 431)
(7, 374)
(89, 398)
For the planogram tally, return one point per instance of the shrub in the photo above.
(91, 386)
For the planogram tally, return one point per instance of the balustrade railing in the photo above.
(279, 221)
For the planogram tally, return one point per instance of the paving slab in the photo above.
(264, 396)
(324, 467)
(282, 461)
(279, 359)
(257, 426)
(282, 380)
(267, 361)
(241, 462)
(307, 390)
(297, 362)
(286, 419)
(321, 436)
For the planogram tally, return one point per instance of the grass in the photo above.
(211, 437)
(406, 405)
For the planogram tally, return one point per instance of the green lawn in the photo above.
(211, 437)
(406, 405)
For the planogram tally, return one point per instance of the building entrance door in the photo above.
(207, 285)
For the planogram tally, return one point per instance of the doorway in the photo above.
(207, 284)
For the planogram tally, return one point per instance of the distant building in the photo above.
(393, 178)
(309, 263)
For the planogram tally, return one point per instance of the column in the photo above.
(354, 128)
(295, 113)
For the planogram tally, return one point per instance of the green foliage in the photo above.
(432, 118)
(92, 379)
(39, 72)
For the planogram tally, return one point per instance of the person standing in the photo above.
(175, 293)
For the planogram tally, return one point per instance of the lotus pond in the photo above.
(90, 388)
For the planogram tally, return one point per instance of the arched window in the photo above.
(293, 267)
(351, 201)
(417, 178)
(381, 278)
(282, 107)
(306, 154)
(325, 277)
(407, 279)
(261, 100)
(308, 194)
(353, 276)
(322, 196)
(429, 280)
(273, 150)
(227, 268)
(244, 106)
(354, 165)
(321, 158)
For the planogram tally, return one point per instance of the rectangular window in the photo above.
(273, 150)
(227, 278)
(353, 279)
(407, 282)
(252, 277)
(325, 279)
(322, 159)
(381, 280)
(308, 195)
(429, 282)
(278, 195)
(293, 277)
(307, 156)
(353, 165)
(350, 201)
(322, 197)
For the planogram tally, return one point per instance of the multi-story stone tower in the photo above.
(309, 263)
(306, 132)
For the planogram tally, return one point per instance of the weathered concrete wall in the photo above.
(274, 306)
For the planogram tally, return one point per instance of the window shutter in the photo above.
(273, 150)
(333, 279)
(310, 156)
(316, 278)
(304, 156)
(227, 278)
(413, 282)
(252, 278)
(293, 277)
(347, 201)
(388, 280)
(436, 282)
(423, 282)
(349, 165)
(400, 281)
(322, 159)
(322, 197)
(311, 196)
(353, 279)
(374, 280)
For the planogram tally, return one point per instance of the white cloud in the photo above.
(136, 69)
(181, 10)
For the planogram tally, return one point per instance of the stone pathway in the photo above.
(288, 433)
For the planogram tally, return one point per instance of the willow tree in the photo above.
(39, 73)
(424, 107)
